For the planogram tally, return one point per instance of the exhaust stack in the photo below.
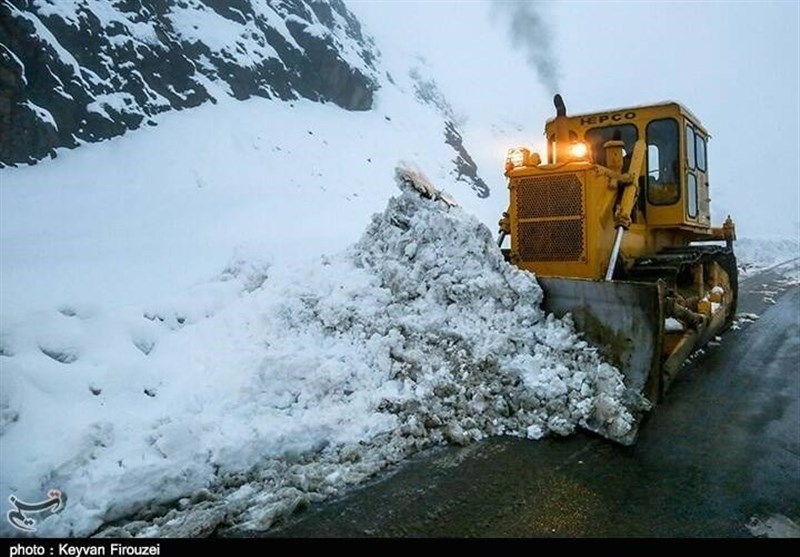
(562, 132)
(561, 108)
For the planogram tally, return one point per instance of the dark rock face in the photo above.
(427, 91)
(466, 169)
(73, 71)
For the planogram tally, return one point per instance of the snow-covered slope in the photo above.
(757, 254)
(154, 211)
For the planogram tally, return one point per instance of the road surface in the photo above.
(720, 457)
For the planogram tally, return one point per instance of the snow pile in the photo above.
(472, 335)
(273, 387)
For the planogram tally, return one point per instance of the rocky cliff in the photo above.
(74, 71)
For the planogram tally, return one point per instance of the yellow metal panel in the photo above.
(569, 231)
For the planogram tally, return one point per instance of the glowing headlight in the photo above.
(578, 150)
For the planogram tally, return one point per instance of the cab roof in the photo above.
(663, 104)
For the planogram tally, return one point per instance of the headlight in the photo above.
(578, 150)
(517, 157)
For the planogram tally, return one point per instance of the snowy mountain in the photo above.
(78, 71)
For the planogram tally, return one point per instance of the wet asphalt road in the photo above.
(723, 447)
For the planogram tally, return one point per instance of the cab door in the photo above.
(697, 204)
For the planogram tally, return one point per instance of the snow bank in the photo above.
(756, 254)
(269, 387)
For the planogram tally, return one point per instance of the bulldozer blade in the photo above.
(625, 321)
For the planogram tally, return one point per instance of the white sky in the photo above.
(734, 64)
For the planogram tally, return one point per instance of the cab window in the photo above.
(691, 185)
(701, 153)
(596, 137)
(690, 158)
(663, 166)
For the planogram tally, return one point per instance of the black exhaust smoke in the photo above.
(529, 32)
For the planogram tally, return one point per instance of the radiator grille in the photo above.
(549, 196)
(550, 218)
(551, 240)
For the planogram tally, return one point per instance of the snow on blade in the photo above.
(272, 388)
(410, 175)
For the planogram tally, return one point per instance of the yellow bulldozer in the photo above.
(616, 225)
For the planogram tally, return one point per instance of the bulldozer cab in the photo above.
(673, 183)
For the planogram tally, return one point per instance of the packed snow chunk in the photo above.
(672, 325)
(408, 174)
